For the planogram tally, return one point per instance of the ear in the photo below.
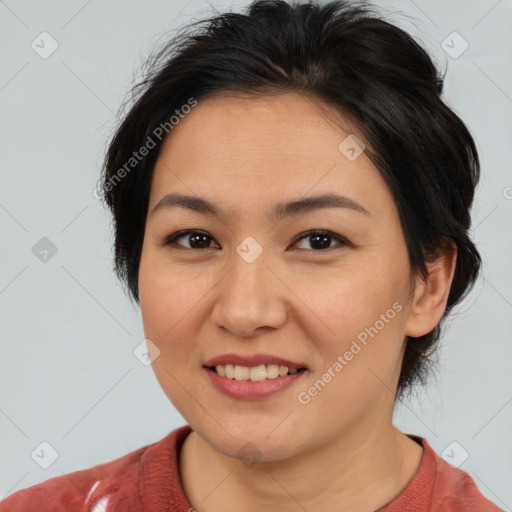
(431, 294)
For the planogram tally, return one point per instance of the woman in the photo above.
(291, 202)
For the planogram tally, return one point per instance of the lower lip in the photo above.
(250, 390)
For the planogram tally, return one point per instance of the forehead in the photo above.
(279, 126)
(253, 148)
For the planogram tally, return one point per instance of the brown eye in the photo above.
(321, 240)
(196, 239)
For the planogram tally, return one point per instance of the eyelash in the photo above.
(170, 240)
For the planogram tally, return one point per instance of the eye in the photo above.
(321, 240)
(196, 239)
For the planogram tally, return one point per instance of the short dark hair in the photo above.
(345, 55)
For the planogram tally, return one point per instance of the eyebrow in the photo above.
(278, 212)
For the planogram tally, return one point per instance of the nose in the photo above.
(251, 297)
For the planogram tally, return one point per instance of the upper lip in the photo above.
(251, 360)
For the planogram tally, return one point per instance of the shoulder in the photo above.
(73, 491)
(453, 488)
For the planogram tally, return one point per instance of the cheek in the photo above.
(347, 299)
(163, 299)
(362, 311)
(171, 299)
(359, 350)
(170, 320)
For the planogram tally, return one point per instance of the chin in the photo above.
(252, 441)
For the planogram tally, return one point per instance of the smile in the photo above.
(252, 383)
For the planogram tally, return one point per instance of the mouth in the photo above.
(255, 382)
(253, 377)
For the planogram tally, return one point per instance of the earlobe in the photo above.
(431, 294)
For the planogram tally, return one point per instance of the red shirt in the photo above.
(147, 480)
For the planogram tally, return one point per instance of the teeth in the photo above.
(257, 372)
(254, 373)
(242, 372)
(230, 371)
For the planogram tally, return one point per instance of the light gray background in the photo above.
(68, 373)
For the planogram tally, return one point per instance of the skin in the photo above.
(295, 301)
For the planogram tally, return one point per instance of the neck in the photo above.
(359, 471)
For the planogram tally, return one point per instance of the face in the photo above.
(253, 279)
